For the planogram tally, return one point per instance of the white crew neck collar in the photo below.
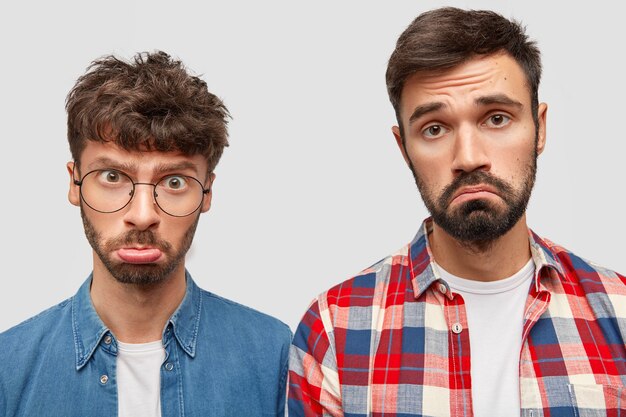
(489, 287)
(140, 347)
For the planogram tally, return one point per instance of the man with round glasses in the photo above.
(140, 338)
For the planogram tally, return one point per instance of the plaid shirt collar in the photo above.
(424, 273)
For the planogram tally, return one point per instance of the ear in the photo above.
(396, 133)
(74, 192)
(206, 203)
(542, 113)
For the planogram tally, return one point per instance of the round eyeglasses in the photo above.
(110, 190)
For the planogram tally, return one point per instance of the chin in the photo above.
(141, 274)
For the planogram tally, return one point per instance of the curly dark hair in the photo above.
(443, 38)
(148, 103)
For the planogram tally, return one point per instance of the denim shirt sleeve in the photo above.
(282, 390)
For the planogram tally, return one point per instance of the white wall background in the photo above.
(312, 188)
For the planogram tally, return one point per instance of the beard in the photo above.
(138, 274)
(478, 223)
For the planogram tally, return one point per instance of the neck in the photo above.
(484, 261)
(136, 313)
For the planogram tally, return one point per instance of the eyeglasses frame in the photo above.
(79, 183)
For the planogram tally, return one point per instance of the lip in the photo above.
(473, 192)
(139, 255)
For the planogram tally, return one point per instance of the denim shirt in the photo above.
(221, 359)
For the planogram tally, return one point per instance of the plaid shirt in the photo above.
(393, 341)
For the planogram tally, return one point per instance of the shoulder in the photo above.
(355, 301)
(29, 347)
(579, 269)
(44, 324)
(364, 288)
(571, 262)
(224, 312)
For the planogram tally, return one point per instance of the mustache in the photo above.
(139, 237)
(474, 178)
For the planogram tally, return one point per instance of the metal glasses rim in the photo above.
(79, 183)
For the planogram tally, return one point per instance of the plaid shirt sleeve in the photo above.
(313, 379)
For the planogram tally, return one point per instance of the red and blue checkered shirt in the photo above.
(393, 341)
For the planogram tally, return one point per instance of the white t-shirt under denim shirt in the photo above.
(139, 379)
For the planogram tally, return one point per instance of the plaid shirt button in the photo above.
(457, 328)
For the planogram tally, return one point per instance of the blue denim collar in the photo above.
(185, 321)
(88, 329)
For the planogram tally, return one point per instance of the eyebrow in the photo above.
(498, 99)
(502, 99)
(110, 163)
(424, 109)
(131, 168)
(177, 166)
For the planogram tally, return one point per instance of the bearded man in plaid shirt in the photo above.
(477, 315)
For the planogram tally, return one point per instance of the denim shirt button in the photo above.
(104, 379)
(169, 366)
(107, 340)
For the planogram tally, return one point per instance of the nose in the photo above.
(142, 213)
(469, 151)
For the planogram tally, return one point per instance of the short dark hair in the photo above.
(148, 103)
(443, 38)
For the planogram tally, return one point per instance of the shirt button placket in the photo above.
(172, 382)
(457, 328)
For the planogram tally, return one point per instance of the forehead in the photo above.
(497, 74)
(97, 155)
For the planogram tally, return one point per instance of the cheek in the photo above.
(107, 225)
(432, 180)
(431, 156)
(432, 169)
(518, 154)
(514, 165)
(173, 231)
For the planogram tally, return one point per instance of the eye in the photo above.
(497, 120)
(174, 183)
(434, 131)
(110, 176)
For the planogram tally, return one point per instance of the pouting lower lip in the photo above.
(473, 195)
(139, 256)
(472, 190)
